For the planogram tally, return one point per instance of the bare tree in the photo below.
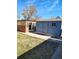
(29, 12)
(37, 17)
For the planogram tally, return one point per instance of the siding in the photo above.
(48, 29)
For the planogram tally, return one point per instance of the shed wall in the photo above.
(48, 29)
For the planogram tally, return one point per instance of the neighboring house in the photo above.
(25, 25)
(49, 27)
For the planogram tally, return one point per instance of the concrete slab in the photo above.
(38, 35)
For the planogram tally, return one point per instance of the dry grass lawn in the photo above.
(25, 43)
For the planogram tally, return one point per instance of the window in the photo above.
(53, 24)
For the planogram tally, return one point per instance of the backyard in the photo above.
(34, 48)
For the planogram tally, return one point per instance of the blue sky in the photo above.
(45, 8)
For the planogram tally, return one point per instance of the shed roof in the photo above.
(27, 20)
(52, 19)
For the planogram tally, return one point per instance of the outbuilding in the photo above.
(49, 27)
(26, 25)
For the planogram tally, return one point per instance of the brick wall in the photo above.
(21, 28)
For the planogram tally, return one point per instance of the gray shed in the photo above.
(49, 27)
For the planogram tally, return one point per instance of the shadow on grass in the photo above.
(44, 50)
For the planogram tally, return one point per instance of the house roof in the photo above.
(52, 19)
